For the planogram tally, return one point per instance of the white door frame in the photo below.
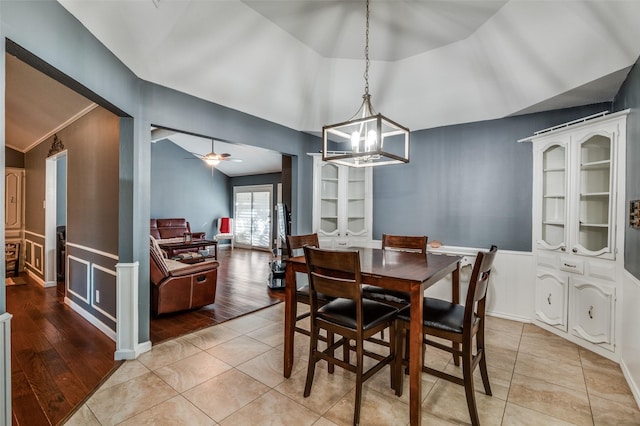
(50, 205)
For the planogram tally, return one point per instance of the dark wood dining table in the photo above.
(396, 270)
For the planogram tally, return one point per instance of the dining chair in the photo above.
(295, 244)
(337, 274)
(399, 299)
(416, 244)
(458, 324)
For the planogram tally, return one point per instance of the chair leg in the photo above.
(359, 370)
(311, 368)
(397, 364)
(467, 374)
(345, 350)
(330, 339)
(483, 361)
(392, 352)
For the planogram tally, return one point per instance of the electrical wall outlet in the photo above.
(97, 296)
(634, 214)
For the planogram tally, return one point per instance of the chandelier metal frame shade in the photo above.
(368, 138)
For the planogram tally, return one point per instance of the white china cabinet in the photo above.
(342, 204)
(578, 228)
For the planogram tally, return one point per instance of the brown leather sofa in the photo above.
(167, 229)
(162, 229)
(177, 286)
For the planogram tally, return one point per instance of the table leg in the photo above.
(455, 298)
(415, 356)
(290, 308)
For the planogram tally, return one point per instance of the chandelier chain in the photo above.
(366, 53)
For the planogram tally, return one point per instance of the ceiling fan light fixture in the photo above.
(366, 139)
(211, 160)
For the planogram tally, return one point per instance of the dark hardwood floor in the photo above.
(242, 288)
(58, 358)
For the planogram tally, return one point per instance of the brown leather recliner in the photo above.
(181, 288)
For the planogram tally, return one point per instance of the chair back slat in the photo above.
(295, 243)
(405, 243)
(479, 283)
(334, 273)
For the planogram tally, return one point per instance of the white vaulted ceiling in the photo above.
(300, 63)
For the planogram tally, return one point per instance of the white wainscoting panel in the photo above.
(5, 368)
(127, 346)
(630, 340)
(512, 288)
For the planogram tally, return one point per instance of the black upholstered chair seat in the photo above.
(439, 314)
(303, 292)
(343, 312)
(384, 295)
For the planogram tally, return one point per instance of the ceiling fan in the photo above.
(214, 159)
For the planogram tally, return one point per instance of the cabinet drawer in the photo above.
(571, 264)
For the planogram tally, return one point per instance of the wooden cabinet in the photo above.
(342, 204)
(578, 228)
(13, 201)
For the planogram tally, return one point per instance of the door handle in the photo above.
(590, 312)
(549, 298)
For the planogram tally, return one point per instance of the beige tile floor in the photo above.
(231, 374)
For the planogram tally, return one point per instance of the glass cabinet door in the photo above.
(355, 201)
(593, 234)
(329, 199)
(554, 203)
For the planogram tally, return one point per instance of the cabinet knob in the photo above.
(590, 312)
(575, 250)
(549, 298)
(563, 249)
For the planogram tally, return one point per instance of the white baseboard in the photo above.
(632, 384)
(135, 353)
(93, 320)
(510, 317)
(39, 280)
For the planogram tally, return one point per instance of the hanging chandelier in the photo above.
(368, 138)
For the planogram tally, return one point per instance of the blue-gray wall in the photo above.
(466, 185)
(184, 186)
(629, 97)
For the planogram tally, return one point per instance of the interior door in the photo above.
(253, 216)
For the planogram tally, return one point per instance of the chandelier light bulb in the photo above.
(371, 139)
(355, 141)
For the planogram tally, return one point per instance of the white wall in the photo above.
(630, 340)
